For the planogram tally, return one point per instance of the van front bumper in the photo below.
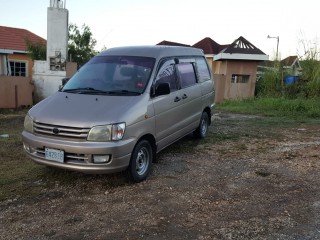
(80, 156)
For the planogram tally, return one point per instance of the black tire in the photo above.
(202, 130)
(141, 161)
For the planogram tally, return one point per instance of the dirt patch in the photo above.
(250, 179)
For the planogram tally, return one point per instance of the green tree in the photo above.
(81, 44)
(36, 51)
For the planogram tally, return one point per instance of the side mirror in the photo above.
(64, 81)
(162, 89)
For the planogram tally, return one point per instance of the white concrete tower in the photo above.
(47, 75)
(57, 35)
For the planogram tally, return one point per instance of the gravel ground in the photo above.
(256, 183)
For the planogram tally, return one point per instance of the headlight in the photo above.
(107, 132)
(28, 123)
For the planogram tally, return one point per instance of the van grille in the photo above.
(60, 131)
(68, 157)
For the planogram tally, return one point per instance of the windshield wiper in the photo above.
(85, 90)
(125, 92)
(89, 90)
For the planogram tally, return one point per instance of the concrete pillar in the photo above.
(57, 35)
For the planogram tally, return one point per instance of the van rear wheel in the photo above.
(202, 130)
(140, 163)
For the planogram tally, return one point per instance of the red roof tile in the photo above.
(209, 46)
(240, 45)
(15, 38)
(168, 43)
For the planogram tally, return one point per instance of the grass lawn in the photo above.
(22, 178)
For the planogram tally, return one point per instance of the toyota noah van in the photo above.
(120, 109)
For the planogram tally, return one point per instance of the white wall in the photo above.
(46, 82)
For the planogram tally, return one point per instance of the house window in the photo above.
(18, 69)
(240, 78)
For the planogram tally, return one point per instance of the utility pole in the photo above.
(277, 37)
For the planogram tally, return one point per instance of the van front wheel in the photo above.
(140, 163)
(202, 130)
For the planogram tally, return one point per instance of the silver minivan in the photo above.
(120, 109)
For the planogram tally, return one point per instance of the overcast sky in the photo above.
(148, 22)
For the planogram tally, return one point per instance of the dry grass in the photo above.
(22, 178)
(15, 170)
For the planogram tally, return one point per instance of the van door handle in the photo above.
(184, 96)
(177, 99)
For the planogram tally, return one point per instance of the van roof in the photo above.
(158, 51)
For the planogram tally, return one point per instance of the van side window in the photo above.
(203, 71)
(186, 74)
(167, 74)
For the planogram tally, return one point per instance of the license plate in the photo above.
(54, 155)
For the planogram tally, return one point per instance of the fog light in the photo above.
(26, 147)
(101, 158)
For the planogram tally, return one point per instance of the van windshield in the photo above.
(123, 75)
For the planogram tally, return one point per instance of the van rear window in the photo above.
(203, 71)
(186, 74)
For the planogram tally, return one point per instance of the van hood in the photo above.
(81, 110)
